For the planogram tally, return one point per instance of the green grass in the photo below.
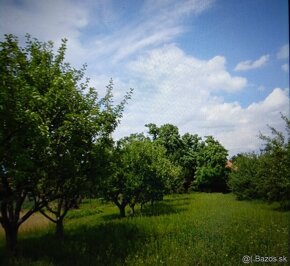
(191, 229)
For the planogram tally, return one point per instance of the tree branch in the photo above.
(47, 216)
(51, 210)
(26, 216)
(19, 205)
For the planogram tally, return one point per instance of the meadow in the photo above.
(188, 229)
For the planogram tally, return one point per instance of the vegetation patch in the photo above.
(189, 229)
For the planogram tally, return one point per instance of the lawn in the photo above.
(189, 229)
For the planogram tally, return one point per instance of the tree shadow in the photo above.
(179, 201)
(111, 217)
(178, 198)
(105, 244)
(158, 209)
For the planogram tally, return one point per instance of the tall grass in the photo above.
(193, 229)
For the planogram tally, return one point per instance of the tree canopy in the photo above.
(50, 122)
(265, 175)
(141, 173)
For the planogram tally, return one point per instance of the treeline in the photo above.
(265, 175)
(141, 169)
(56, 145)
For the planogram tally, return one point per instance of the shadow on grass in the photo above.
(111, 217)
(105, 244)
(177, 198)
(158, 209)
(108, 243)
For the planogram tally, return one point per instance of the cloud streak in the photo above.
(285, 68)
(43, 19)
(250, 64)
(283, 52)
(159, 22)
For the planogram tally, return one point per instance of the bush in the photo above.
(243, 178)
(265, 175)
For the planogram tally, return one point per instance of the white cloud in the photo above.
(172, 87)
(250, 64)
(44, 19)
(172, 9)
(113, 37)
(159, 22)
(283, 52)
(285, 67)
(49, 20)
(200, 75)
(248, 122)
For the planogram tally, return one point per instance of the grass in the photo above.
(191, 229)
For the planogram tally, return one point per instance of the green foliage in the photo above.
(211, 173)
(189, 229)
(50, 123)
(24, 131)
(168, 136)
(191, 147)
(243, 181)
(266, 175)
(275, 165)
(202, 162)
(141, 173)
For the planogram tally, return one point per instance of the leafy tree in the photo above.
(243, 177)
(189, 158)
(23, 134)
(141, 173)
(211, 173)
(89, 123)
(49, 125)
(266, 175)
(157, 173)
(168, 136)
(274, 166)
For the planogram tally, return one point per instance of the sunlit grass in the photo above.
(191, 229)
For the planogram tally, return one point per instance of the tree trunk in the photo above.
(122, 211)
(11, 234)
(75, 203)
(59, 232)
(132, 206)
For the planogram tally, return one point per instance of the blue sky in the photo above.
(212, 67)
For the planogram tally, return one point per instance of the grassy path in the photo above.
(193, 229)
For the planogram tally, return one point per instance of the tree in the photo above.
(23, 134)
(275, 163)
(211, 173)
(265, 175)
(141, 173)
(243, 177)
(49, 124)
(168, 136)
(89, 123)
(191, 147)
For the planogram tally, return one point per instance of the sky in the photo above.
(210, 67)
